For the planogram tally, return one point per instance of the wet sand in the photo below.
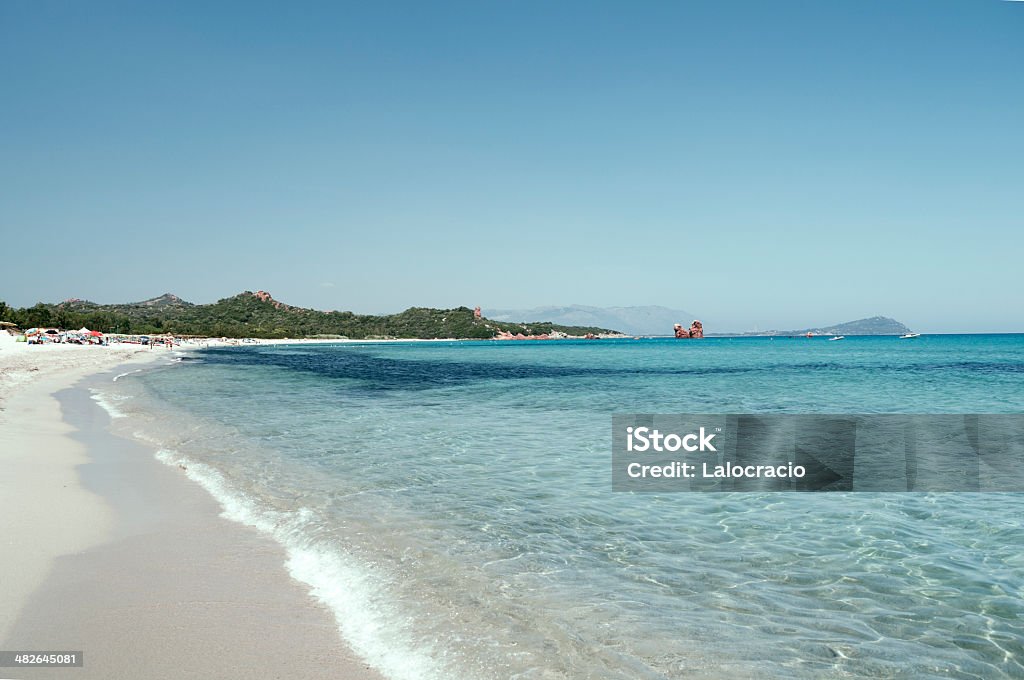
(113, 554)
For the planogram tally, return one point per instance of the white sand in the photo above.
(107, 551)
(44, 512)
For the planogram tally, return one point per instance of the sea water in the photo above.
(452, 504)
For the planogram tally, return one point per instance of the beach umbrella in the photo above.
(95, 334)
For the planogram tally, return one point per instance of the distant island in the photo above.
(258, 315)
(875, 325)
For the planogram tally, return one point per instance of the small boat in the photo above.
(909, 336)
(837, 337)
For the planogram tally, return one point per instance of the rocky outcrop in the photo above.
(696, 330)
(264, 296)
(505, 335)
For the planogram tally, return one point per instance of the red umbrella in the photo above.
(96, 334)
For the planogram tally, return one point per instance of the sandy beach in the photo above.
(111, 553)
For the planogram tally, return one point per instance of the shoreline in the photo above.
(45, 512)
(115, 554)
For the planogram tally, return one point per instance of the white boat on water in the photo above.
(909, 335)
(837, 337)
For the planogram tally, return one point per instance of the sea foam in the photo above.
(371, 625)
(109, 403)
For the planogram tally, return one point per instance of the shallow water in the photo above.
(452, 503)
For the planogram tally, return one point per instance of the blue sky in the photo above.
(778, 164)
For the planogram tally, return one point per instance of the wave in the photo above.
(368, 622)
(107, 402)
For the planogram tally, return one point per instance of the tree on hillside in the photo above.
(34, 317)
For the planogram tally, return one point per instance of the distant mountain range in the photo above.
(875, 325)
(648, 320)
(163, 303)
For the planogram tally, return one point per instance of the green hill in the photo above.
(258, 315)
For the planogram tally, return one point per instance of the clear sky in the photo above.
(779, 164)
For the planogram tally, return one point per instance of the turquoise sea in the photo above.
(452, 504)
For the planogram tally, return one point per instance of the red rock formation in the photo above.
(264, 296)
(696, 330)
